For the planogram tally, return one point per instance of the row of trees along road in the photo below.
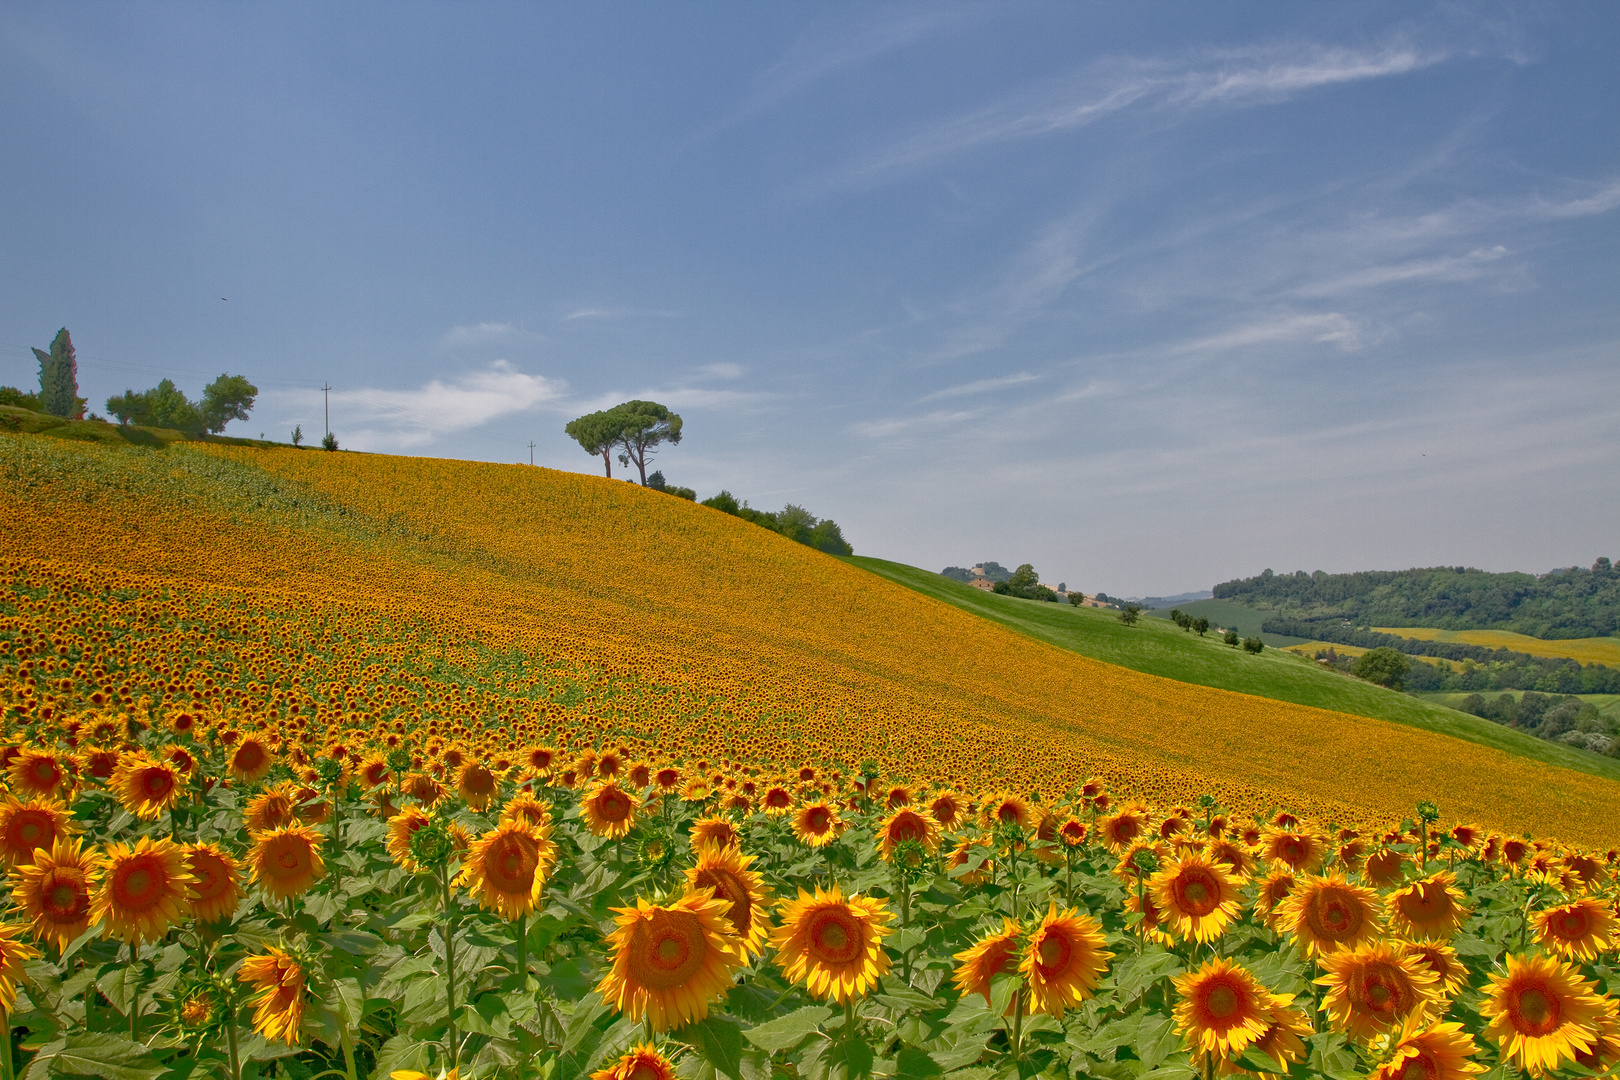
(636, 429)
(227, 398)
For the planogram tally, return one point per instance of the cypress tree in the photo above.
(59, 377)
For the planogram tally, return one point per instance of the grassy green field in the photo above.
(1159, 647)
(1245, 620)
(26, 422)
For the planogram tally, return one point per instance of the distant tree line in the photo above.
(1199, 625)
(1566, 603)
(1557, 718)
(794, 522)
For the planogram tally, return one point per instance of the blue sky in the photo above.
(1149, 295)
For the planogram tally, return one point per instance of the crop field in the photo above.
(329, 764)
(1604, 650)
(1310, 649)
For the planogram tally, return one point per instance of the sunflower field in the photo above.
(340, 765)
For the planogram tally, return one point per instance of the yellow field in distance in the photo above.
(1310, 649)
(1592, 650)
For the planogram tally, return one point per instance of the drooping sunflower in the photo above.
(907, 824)
(832, 944)
(1224, 1009)
(400, 829)
(1578, 930)
(1430, 1051)
(1542, 1012)
(1270, 894)
(57, 890)
(13, 955)
(1064, 961)
(476, 783)
(272, 808)
(144, 890)
(1383, 868)
(507, 866)
(1375, 987)
(41, 774)
(1300, 850)
(278, 1005)
(25, 826)
(287, 861)
(671, 961)
(608, 809)
(373, 771)
(1328, 913)
(1441, 959)
(1428, 910)
(725, 871)
(250, 761)
(817, 824)
(524, 808)
(948, 809)
(643, 1062)
(218, 888)
(713, 830)
(1196, 897)
(992, 955)
(146, 787)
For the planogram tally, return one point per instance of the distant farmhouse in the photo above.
(984, 576)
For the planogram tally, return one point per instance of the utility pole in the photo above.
(531, 451)
(327, 391)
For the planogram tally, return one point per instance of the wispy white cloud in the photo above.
(483, 335)
(618, 313)
(723, 370)
(1448, 268)
(1232, 79)
(697, 397)
(1329, 327)
(883, 429)
(980, 386)
(1600, 202)
(376, 418)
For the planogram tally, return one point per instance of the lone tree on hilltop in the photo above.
(59, 378)
(647, 425)
(598, 433)
(227, 398)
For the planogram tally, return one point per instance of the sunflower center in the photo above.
(210, 879)
(510, 863)
(249, 757)
(669, 949)
(1197, 893)
(1337, 917)
(45, 773)
(139, 886)
(1420, 1066)
(478, 780)
(818, 818)
(157, 783)
(290, 856)
(1053, 952)
(1538, 1012)
(64, 898)
(1570, 924)
(907, 826)
(1222, 1001)
(613, 806)
(645, 1071)
(835, 937)
(31, 831)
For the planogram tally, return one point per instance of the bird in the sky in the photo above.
(225, 298)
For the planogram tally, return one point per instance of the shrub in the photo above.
(1231, 638)
(1253, 645)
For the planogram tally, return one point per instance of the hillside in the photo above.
(371, 590)
(1566, 603)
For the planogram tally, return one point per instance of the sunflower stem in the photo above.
(134, 996)
(348, 1051)
(523, 988)
(1018, 1026)
(5, 1044)
(337, 845)
(230, 1043)
(450, 969)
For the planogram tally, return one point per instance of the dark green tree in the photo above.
(168, 407)
(128, 408)
(1384, 666)
(1200, 626)
(1130, 613)
(646, 426)
(1230, 637)
(59, 378)
(10, 395)
(599, 433)
(1076, 597)
(227, 398)
(828, 537)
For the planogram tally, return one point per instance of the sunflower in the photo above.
(711, 830)
(1146, 919)
(817, 824)
(990, 956)
(959, 857)
(1442, 960)
(1375, 987)
(1515, 851)
(400, 828)
(1064, 960)
(907, 824)
(41, 774)
(1427, 910)
(1383, 868)
(278, 1007)
(219, 883)
(777, 801)
(56, 890)
(608, 809)
(523, 808)
(476, 784)
(948, 809)
(1541, 1012)
(1283, 1040)
(1233, 856)
(423, 788)
(25, 826)
(287, 861)
(1328, 913)
(273, 808)
(1006, 810)
(1270, 894)
(1224, 1009)
(1578, 930)
(373, 771)
(144, 890)
(250, 761)
(643, 1062)
(670, 961)
(832, 944)
(145, 787)
(1605, 1051)
(506, 867)
(1299, 850)
(725, 871)
(1430, 1052)
(1196, 898)
(1120, 830)
(13, 955)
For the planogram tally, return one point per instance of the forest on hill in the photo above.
(1565, 603)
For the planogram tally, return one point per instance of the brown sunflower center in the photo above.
(669, 949)
(818, 819)
(1052, 953)
(510, 861)
(1197, 892)
(210, 875)
(64, 896)
(1538, 1011)
(835, 936)
(613, 805)
(1222, 1001)
(138, 885)
(1570, 924)
(1420, 1066)
(1337, 916)
(289, 857)
(157, 783)
(32, 831)
(249, 756)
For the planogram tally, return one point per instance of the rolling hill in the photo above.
(304, 590)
